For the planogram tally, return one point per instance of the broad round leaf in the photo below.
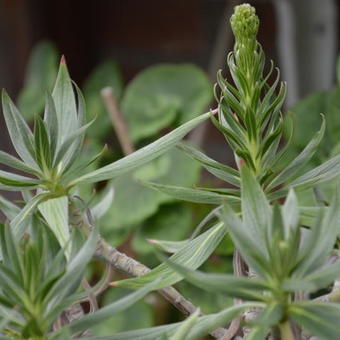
(163, 93)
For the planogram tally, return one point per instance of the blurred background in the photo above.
(161, 59)
(301, 36)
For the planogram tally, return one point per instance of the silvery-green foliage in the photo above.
(44, 254)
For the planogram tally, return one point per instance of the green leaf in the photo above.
(210, 322)
(308, 215)
(9, 209)
(42, 148)
(104, 204)
(19, 132)
(191, 195)
(40, 76)
(219, 170)
(55, 212)
(90, 320)
(18, 223)
(256, 210)
(65, 104)
(258, 333)
(162, 93)
(67, 151)
(131, 195)
(13, 182)
(72, 152)
(318, 279)
(204, 325)
(303, 158)
(140, 315)
(234, 286)
(324, 172)
(193, 255)
(70, 280)
(290, 212)
(271, 315)
(106, 74)
(152, 333)
(183, 331)
(306, 120)
(250, 248)
(169, 246)
(9, 160)
(320, 319)
(51, 122)
(321, 239)
(141, 156)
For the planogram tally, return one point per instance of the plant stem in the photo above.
(286, 331)
(130, 266)
(117, 119)
(108, 254)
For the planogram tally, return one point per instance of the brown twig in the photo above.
(130, 266)
(117, 120)
(110, 255)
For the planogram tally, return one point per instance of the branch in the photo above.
(110, 255)
(130, 266)
(117, 120)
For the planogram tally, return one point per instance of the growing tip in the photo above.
(244, 22)
(152, 241)
(113, 284)
(62, 60)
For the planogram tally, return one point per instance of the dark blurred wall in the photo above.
(135, 33)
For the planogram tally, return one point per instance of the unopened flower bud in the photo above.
(244, 23)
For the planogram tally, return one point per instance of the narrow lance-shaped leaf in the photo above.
(106, 312)
(8, 208)
(21, 135)
(13, 162)
(51, 121)
(256, 210)
(184, 329)
(210, 322)
(204, 325)
(192, 256)
(258, 333)
(74, 272)
(70, 149)
(142, 155)
(322, 173)
(13, 182)
(320, 319)
(169, 246)
(55, 212)
(298, 163)
(104, 204)
(252, 252)
(191, 195)
(321, 238)
(234, 286)
(42, 145)
(290, 212)
(221, 171)
(18, 223)
(65, 103)
(319, 279)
